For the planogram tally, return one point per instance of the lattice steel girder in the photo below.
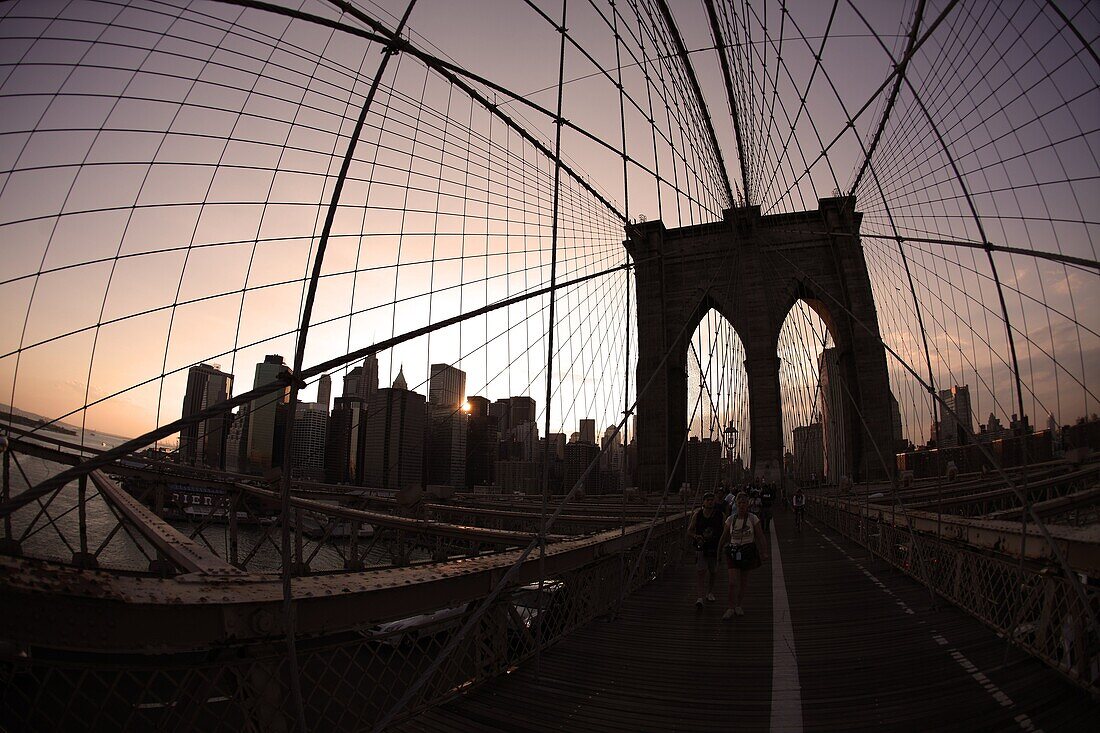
(180, 549)
(1080, 545)
(380, 519)
(52, 605)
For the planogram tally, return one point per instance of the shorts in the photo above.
(706, 561)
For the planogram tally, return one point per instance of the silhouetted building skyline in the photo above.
(204, 443)
(263, 414)
(394, 438)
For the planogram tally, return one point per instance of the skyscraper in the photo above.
(394, 437)
(344, 442)
(234, 444)
(578, 457)
(445, 446)
(898, 442)
(502, 411)
(588, 431)
(308, 441)
(351, 382)
(263, 413)
(955, 429)
(324, 392)
(611, 460)
(558, 442)
(834, 415)
(203, 443)
(368, 382)
(447, 386)
(809, 455)
(521, 410)
(482, 443)
(447, 425)
(703, 458)
(362, 381)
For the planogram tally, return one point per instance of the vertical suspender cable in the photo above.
(550, 334)
(299, 358)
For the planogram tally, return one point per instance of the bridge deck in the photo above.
(870, 653)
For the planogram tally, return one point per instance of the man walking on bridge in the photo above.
(704, 530)
(767, 501)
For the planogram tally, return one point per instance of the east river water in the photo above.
(121, 549)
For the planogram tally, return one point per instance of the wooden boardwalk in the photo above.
(871, 654)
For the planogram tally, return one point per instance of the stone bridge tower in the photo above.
(752, 269)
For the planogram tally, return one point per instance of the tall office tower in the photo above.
(447, 386)
(445, 447)
(703, 461)
(368, 381)
(898, 443)
(611, 461)
(955, 429)
(578, 457)
(588, 431)
(344, 443)
(557, 445)
(263, 414)
(502, 411)
(243, 420)
(521, 410)
(324, 392)
(238, 429)
(611, 445)
(351, 382)
(835, 405)
(525, 437)
(482, 443)
(394, 440)
(809, 452)
(307, 445)
(203, 443)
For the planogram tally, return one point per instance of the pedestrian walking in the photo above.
(767, 501)
(798, 503)
(704, 530)
(746, 546)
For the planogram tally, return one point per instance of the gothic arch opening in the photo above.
(719, 442)
(815, 406)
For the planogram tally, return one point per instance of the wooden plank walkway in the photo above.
(872, 654)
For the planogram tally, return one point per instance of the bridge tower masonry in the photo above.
(752, 269)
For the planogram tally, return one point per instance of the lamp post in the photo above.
(730, 438)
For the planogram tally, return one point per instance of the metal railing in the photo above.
(203, 651)
(970, 563)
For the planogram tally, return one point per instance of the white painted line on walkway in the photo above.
(995, 692)
(786, 689)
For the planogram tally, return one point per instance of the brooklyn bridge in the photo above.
(376, 365)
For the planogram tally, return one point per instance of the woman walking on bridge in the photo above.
(703, 531)
(746, 545)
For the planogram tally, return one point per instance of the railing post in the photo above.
(234, 502)
(299, 566)
(82, 491)
(82, 558)
(352, 561)
(7, 487)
